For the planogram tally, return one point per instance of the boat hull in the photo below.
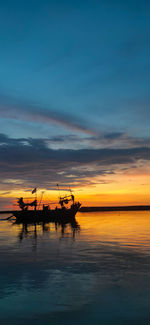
(57, 215)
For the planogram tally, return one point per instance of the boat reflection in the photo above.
(35, 230)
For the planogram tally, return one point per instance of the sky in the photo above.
(75, 100)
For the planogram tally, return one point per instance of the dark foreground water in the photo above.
(96, 272)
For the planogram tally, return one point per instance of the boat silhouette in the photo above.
(29, 211)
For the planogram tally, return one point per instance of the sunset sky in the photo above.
(75, 100)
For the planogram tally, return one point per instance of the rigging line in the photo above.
(41, 198)
(8, 218)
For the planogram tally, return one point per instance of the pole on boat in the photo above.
(34, 191)
(59, 191)
(70, 190)
(41, 198)
(72, 196)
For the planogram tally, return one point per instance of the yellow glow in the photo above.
(128, 188)
(121, 229)
(124, 228)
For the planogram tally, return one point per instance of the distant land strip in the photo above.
(102, 209)
(116, 208)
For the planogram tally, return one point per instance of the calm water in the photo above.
(94, 272)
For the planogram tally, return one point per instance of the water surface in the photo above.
(96, 271)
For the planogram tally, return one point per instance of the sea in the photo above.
(93, 271)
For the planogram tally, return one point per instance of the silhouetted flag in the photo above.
(34, 191)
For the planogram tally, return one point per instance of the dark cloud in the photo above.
(110, 139)
(24, 162)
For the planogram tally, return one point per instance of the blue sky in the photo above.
(74, 74)
(87, 59)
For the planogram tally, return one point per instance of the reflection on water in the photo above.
(96, 270)
(27, 230)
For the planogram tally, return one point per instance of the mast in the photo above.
(59, 191)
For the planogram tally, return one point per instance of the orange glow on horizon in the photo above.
(130, 188)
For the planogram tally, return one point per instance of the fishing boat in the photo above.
(32, 212)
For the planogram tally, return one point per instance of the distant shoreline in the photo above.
(116, 208)
(103, 209)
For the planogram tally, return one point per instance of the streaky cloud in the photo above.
(14, 108)
(31, 161)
